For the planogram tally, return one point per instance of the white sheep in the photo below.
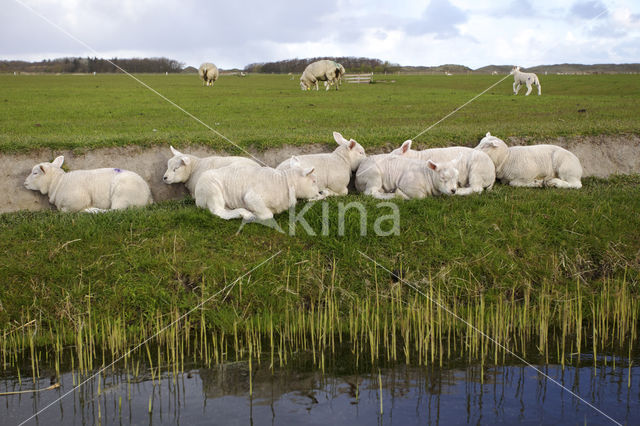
(533, 166)
(527, 78)
(386, 176)
(333, 170)
(323, 70)
(187, 169)
(254, 193)
(338, 79)
(208, 73)
(88, 190)
(476, 171)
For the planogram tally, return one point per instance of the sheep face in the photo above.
(306, 185)
(178, 170)
(304, 86)
(495, 148)
(514, 69)
(41, 175)
(446, 180)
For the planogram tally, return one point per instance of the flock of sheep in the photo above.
(239, 187)
(330, 72)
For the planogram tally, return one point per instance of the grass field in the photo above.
(262, 111)
(61, 269)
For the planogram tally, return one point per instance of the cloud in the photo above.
(589, 10)
(440, 18)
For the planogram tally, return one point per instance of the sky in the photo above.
(232, 34)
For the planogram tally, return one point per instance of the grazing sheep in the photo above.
(333, 170)
(88, 190)
(382, 175)
(187, 169)
(527, 78)
(208, 73)
(476, 171)
(533, 166)
(323, 70)
(254, 193)
(338, 79)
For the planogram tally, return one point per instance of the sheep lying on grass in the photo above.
(323, 70)
(208, 73)
(188, 168)
(533, 166)
(476, 171)
(528, 78)
(333, 170)
(254, 193)
(88, 190)
(387, 176)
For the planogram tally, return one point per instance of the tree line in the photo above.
(91, 65)
(351, 64)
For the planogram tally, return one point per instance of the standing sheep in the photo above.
(323, 70)
(527, 78)
(333, 171)
(533, 166)
(187, 169)
(208, 73)
(476, 171)
(88, 190)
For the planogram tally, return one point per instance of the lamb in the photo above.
(91, 191)
(333, 170)
(323, 70)
(533, 166)
(527, 78)
(254, 193)
(208, 73)
(382, 175)
(188, 168)
(476, 171)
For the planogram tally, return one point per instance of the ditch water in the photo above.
(300, 393)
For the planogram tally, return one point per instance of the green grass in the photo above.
(134, 263)
(262, 111)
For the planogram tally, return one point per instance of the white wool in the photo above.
(526, 78)
(323, 70)
(187, 169)
(476, 171)
(333, 170)
(254, 193)
(387, 176)
(533, 166)
(89, 190)
(208, 73)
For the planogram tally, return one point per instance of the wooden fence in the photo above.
(358, 78)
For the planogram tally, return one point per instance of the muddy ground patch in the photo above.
(600, 156)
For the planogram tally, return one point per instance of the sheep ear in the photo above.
(307, 172)
(174, 151)
(432, 165)
(488, 134)
(294, 162)
(58, 161)
(406, 146)
(185, 160)
(340, 139)
(352, 144)
(42, 168)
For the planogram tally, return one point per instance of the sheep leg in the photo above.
(214, 202)
(94, 210)
(256, 204)
(536, 183)
(528, 88)
(559, 183)
(539, 89)
(468, 190)
(378, 193)
(516, 88)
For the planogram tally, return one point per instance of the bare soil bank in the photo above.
(600, 156)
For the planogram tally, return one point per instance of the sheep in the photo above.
(382, 175)
(333, 170)
(527, 78)
(254, 193)
(323, 70)
(91, 191)
(533, 166)
(476, 171)
(208, 73)
(188, 168)
(339, 73)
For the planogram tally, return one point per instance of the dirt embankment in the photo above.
(600, 156)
